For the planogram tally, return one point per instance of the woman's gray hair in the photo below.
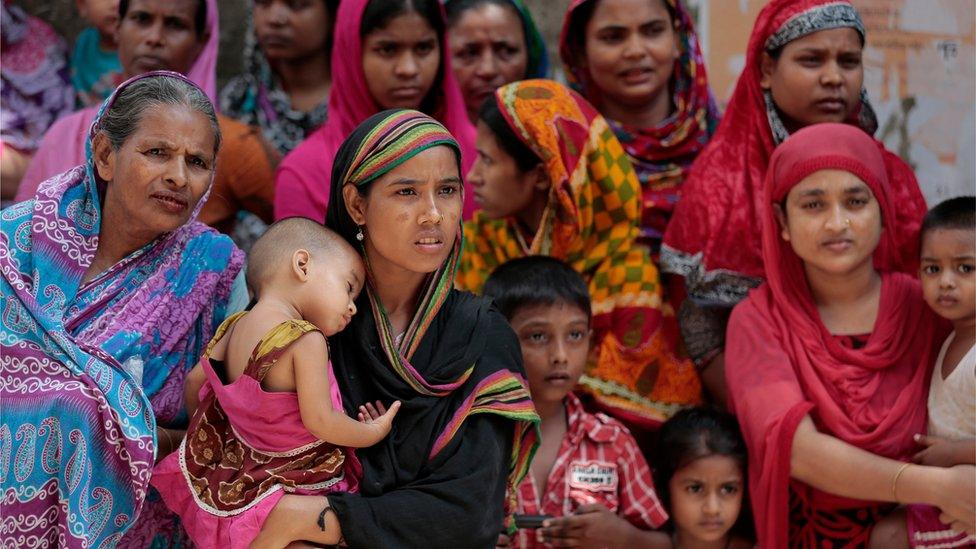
(123, 116)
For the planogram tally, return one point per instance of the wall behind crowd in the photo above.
(920, 70)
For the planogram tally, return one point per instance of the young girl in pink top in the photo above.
(261, 426)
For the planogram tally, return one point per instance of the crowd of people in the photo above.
(396, 286)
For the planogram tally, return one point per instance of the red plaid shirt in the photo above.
(598, 462)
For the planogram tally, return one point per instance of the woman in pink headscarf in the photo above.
(828, 361)
(386, 54)
(147, 41)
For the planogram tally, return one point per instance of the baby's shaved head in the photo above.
(275, 247)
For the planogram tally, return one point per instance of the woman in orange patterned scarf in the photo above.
(552, 179)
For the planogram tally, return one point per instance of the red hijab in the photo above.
(661, 154)
(302, 183)
(715, 229)
(782, 364)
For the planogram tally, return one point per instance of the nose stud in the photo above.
(847, 222)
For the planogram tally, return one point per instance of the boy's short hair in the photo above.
(282, 239)
(954, 213)
(536, 280)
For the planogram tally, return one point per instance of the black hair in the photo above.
(692, 434)
(199, 18)
(536, 280)
(954, 213)
(455, 8)
(379, 13)
(490, 113)
(576, 33)
(331, 11)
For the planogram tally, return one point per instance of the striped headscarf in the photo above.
(444, 353)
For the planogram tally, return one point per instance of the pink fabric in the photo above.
(782, 363)
(63, 146)
(303, 181)
(926, 531)
(270, 422)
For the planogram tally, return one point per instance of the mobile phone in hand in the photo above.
(530, 521)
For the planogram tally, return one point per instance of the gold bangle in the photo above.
(894, 482)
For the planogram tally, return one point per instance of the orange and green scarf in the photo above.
(638, 369)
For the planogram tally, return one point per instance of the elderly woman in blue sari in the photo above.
(111, 290)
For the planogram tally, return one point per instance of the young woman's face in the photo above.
(291, 29)
(832, 221)
(401, 61)
(158, 175)
(500, 189)
(817, 78)
(487, 51)
(706, 497)
(555, 342)
(411, 214)
(630, 49)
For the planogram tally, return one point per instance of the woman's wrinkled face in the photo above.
(159, 35)
(411, 215)
(156, 178)
(832, 220)
(706, 497)
(291, 29)
(488, 50)
(500, 189)
(630, 49)
(817, 78)
(401, 61)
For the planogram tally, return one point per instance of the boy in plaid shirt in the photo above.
(588, 474)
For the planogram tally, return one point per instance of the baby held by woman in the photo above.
(263, 423)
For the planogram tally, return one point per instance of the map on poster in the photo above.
(919, 73)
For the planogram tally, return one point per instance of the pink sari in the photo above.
(303, 180)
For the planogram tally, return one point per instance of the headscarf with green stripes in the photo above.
(457, 357)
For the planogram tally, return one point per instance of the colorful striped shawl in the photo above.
(460, 382)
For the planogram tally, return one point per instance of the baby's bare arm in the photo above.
(191, 388)
(310, 357)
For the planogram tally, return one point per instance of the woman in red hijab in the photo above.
(803, 67)
(827, 362)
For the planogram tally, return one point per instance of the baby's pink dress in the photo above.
(246, 447)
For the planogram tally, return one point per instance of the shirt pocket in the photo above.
(593, 481)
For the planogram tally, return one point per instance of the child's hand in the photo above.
(592, 525)
(941, 452)
(378, 416)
